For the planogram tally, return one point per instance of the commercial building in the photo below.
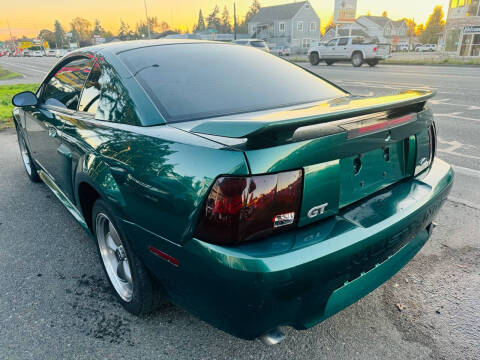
(462, 30)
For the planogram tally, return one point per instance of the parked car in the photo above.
(26, 53)
(212, 187)
(281, 51)
(256, 43)
(355, 49)
(426, 48)
(404, 47)
(37, 53)
(51, 52)
(61, 53)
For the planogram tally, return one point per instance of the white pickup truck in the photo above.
(349, 48)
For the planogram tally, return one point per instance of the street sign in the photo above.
(25, 45)
(345, 11)
(471, 29)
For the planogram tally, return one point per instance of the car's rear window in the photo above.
(195, 81)
(260, 44)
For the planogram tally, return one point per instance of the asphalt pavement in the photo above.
(55, 302)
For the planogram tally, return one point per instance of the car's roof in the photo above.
(121, 46)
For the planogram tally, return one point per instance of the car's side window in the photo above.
(343, 42)
(64, 88)
(115, 104)
(332, 42)
(91, 92)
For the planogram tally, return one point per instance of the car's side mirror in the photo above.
(26, 98)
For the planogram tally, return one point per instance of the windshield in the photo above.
(195, 81)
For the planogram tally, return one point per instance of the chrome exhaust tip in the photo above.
(273, 337)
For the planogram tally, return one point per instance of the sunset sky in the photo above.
(27, 17)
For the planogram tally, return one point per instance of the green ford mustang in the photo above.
(232, 183)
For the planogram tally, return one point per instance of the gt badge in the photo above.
(317, 210)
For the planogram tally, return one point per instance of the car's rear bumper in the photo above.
(301, 277)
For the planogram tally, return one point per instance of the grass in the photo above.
(445, 61)
(6, 74)
(6, 94)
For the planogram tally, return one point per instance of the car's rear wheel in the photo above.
(357, 59)
(314, 59)
(329, 62)
(28, 163)
(372, 63)
(131, 282)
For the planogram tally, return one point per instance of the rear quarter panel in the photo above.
(169, 172)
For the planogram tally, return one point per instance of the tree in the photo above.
(213, 21)
(226, 26)
(142, 29)
(48, 36)
(330, 25)
(252, 11)
(124, 33)
(419, 29)
(411, 27)
(435, 26)
(164, 26)
(385, 14)
(59, 34)
(200, 27)
(80, 29)
(98, 29)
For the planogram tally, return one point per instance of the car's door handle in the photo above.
(52, 132)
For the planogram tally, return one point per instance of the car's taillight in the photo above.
(375, 49)
(425, 160)
(244, 208)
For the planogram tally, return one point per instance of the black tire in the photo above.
(329, 62)
(357, 59)
(28, 163)
(314, 59)
(372, 63)
(146, 293)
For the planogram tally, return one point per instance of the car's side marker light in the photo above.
(164, 256)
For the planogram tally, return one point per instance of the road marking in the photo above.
(21, 68)
(466, 171)
(464, 202)
(456, 116)
(453, 146)
(444, 102)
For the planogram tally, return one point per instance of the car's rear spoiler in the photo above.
(251, 125)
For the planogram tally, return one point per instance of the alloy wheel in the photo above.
(25, 155)
(114, 257)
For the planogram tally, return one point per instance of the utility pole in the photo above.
(234, 21)
(11, 36)
(148, 22)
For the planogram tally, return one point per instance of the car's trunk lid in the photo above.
(348, 148)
